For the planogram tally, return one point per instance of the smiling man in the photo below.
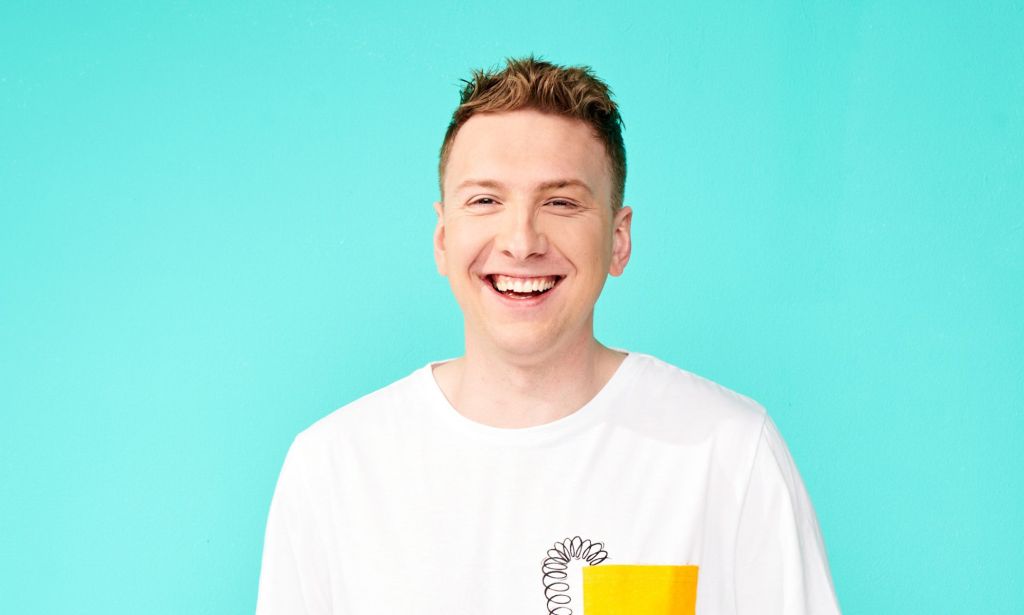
(527, 234)
(541, 472)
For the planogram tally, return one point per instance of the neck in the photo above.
(515, 391)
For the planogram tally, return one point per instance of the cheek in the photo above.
(589, 251)
(465, 246)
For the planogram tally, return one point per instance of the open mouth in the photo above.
(523, 288)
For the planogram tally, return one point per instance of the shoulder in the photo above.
(671, 384)
(373, 413)
(678, 399)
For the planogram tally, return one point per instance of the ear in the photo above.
(440, 257)
(622, 242)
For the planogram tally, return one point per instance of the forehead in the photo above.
(525, 147)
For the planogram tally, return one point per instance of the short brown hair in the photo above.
(531, 83)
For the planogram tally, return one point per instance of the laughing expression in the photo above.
(526, 233)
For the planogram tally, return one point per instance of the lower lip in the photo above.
(524, 303)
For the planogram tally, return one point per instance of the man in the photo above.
(541, 472)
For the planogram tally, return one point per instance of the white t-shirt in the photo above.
(665, 493)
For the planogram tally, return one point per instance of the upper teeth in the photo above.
(523, 285)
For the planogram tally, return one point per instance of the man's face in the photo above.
(526, 234)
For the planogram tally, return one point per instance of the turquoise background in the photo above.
(215, 228)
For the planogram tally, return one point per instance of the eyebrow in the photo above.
(541, 187)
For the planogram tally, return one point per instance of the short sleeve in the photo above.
(293, 576)
(780, 566)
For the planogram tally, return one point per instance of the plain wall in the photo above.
(215, 225)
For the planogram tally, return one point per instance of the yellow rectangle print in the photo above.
(639, 590)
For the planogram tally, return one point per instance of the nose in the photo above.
(520, 238)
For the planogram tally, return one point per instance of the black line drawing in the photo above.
(556, 570)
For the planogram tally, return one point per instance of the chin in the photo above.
(521, 341)
(528, 343)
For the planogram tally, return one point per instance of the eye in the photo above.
(562, 204)
(484, 200)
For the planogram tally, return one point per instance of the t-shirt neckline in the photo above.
(588, 414)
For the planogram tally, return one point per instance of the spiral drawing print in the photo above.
(556, 570)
